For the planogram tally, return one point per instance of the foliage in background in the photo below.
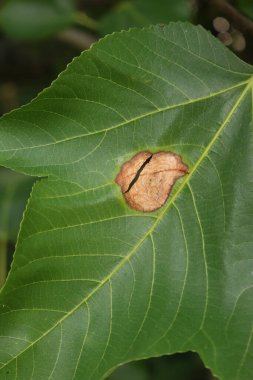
(37, 19)
(246, 6)
(185, 366)
(14, 192)
(141, 13)
(32, 20)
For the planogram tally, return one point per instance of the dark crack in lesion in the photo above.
(138, 173)
(146, 180)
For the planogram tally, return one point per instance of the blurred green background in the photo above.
(38, 38)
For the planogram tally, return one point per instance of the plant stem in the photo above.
(83, 19)
(243, 23)
(77, 38)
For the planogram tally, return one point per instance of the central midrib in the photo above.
(163, 211)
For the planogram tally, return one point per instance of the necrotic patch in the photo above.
(147, 179)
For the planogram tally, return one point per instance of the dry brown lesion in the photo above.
(147, 179)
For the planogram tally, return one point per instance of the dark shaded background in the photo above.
(32, 54)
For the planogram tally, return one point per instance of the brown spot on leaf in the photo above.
(147, 179)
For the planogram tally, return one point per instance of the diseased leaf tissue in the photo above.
(147, 179)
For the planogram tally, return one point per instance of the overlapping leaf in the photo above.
(94, 283)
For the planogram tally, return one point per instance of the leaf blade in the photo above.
(121, 244)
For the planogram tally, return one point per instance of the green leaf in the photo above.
(94, 283)
(141, 13)
(32, 20)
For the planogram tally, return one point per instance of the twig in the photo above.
(76, 38)
(83, 19)
(239, 21)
